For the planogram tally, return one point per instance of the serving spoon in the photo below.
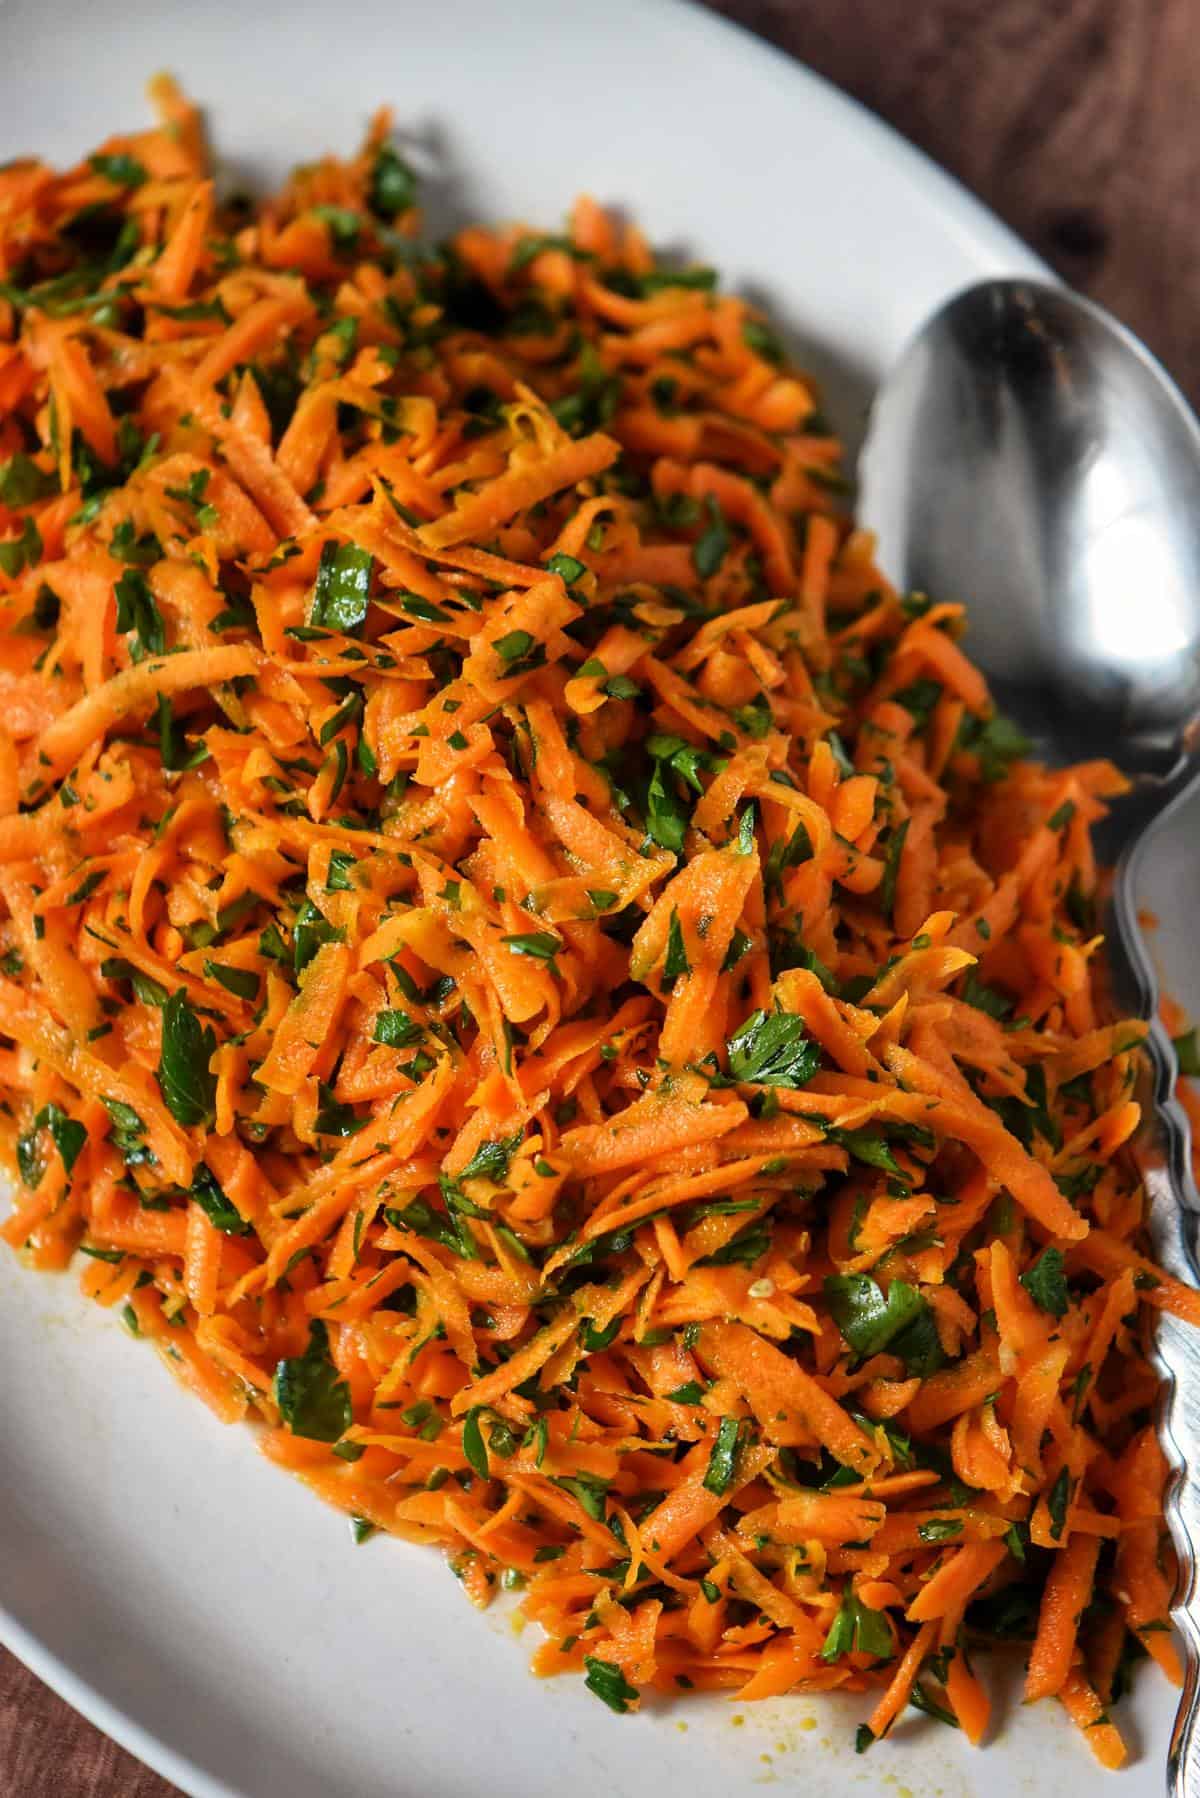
(1027, 455)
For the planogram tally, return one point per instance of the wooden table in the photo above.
(1075, 121)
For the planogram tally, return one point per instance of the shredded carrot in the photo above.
(1068, 1589)
(531, 973)
(1086, 1711)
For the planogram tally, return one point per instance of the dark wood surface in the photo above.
(1076, 120)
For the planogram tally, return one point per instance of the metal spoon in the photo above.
(1029, 456)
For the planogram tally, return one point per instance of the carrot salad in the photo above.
(529, 972)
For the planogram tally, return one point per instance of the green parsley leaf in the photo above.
(592, 404)
(67, 1134)
(921, 1701)
(474, 1447)
(857, 1629)
(173, 747)
(193, 495)
(209, 1194)
(343, 585)
(997, 743)
(870, 1148)
(314, 1402)
(785, 853)
(900, 1444)
(743, 1250)
(773, 1049)
(1046, 1282)
(940, 1529)
(137, 612)
(666, 815)
(690, 1393)
(425, 610)
(609, 1684)
(23, 551)
(514, 645)
(537, 1437)
(656, 280)
(675, 962)
(866, 1317)
(338, 880)
(128, 1133)
(756, 718)
(589, 1489)
(686, 759)
(347, 713)
(739, 945)
(146, 990)
(397, 1030)
(1058, 1503)
(722, 1462)
(120, 168)
(1030, 1115)
(86, 887)
(712, 545)
(271, 944)
(393, 186)
(871, 1321)
(342, 223)
(762, 340)
(985, 998)
(920, 698)
(891, 868)
(364, 755)
(531, 247)
(420, 1217)
(335, 1118)
(594, 1341)
(490, 1160)
(309, 932)
(242, 982)
(187, 1086)
(194, 310)
(23, 481)
(568, 568)
(540, 944)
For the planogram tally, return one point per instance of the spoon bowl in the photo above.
(1029, 457)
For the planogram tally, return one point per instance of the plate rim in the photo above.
(983, 234)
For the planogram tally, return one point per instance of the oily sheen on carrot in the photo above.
(536, 978)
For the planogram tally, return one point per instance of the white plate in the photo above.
(199, 1606)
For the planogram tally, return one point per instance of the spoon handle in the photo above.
(1163, 1148)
